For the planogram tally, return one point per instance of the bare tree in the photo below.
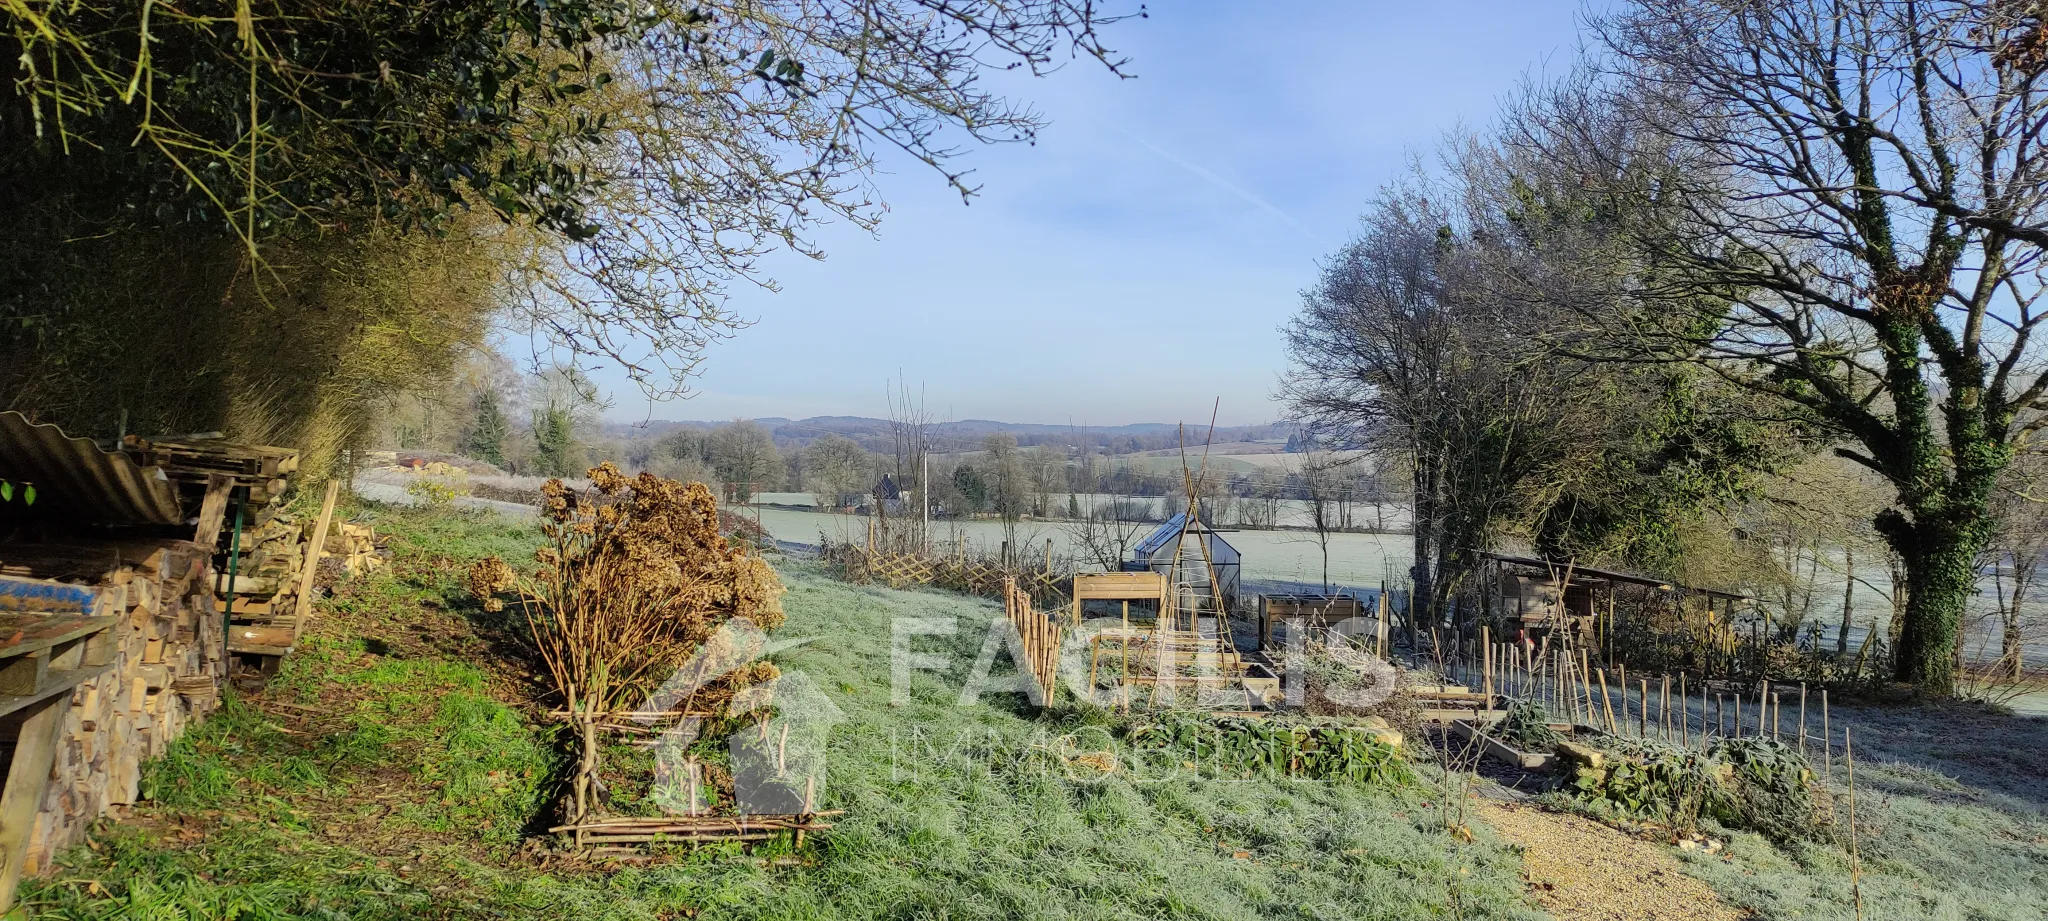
(1320, 476)
(2013, 557)
(838, 470)
(1399, 347)
(1107, 532)
(744, 456)
(1842, 205)
(910, 437)
(1008, 484)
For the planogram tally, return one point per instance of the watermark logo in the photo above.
(776, 765)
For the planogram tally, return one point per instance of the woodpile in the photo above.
(269, 574)
(111, 647)
(163, 668)
(192, 462)
(355, 545)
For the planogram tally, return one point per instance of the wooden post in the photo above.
(695, 780)
(1643, 715)
(27, 776)
(1607, 703)
(1720, 724)
(1486, 664)
(810, 789)
(1621, 681)
(1684, 722)
(1738, 714)
(213, 510)
(1608, 634)
(1586, 681)
(1776, 714)
(312, 560)
(1802, 719)
(1123, 649)
(1664, 709)
(1827, 742)
(1855, 853)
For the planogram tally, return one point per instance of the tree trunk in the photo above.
(1941, 575)
(1422, 527)
(1848, 603)
(2012, 638)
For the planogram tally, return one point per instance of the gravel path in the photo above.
(1581, 870)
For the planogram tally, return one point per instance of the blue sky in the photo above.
(1136, 263)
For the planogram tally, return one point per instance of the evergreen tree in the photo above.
(485, 440)
(973, 489)
(554, 437)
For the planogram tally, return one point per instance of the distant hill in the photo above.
(967, 434)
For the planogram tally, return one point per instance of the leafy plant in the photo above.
(28, 492)
(1243, 746)
(1526, 727)
(1760, 785)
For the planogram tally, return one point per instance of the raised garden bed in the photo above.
(1508, 752)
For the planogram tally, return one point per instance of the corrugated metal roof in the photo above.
(75, 475)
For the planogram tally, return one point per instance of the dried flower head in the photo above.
(558, 501)
(487, 578)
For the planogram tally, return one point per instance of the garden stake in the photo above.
(1802, 719)
(1827, 742)
(1855, 854)
(1586, 681)
(1664, 709)
(1684, 714)
(1606, 702)
(1621, 681)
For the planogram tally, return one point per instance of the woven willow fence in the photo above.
(1041, 633)
(1047, 585)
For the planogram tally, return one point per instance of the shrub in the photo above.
(1243, 746)
(634, 579)
(1754, 784)
(1526, 727)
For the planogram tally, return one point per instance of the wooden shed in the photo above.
(1545, 596)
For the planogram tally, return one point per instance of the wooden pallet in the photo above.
(42, 658)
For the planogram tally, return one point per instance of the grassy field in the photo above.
(395, 770)
(1952, 819)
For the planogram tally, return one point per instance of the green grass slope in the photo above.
(395, 770)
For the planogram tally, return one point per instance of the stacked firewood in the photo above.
(259, 581)
(355, 545)
(166, 673)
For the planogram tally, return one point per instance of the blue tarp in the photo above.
(45, 597)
